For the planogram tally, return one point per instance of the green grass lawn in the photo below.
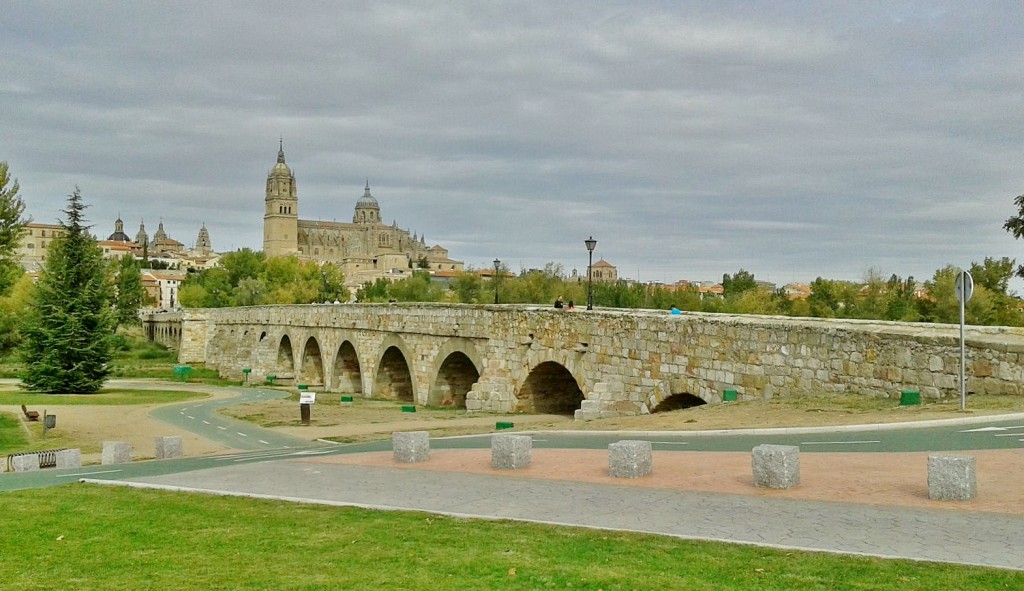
(94, 537)
(12, 436)
(110, 396)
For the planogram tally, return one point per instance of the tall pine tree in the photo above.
(67, 333)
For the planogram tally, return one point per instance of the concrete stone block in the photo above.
(776, 466)
(952, 478)
(69, 458)
(411, 446)
(511, 452)
(168, 447)
(25, 463)
(629, 459)
(116, 452)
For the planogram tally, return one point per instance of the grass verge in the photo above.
(106, 397)
(92, 537)
(12, 436)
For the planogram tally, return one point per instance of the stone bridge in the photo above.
(507, 358)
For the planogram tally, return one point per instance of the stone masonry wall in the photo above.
(625, 361)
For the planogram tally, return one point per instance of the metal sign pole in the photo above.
(964, 290)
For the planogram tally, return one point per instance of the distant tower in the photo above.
(281, 217)
(203, 246)
(119, 234)
(160, 234)
(142, 238)
(367, 208)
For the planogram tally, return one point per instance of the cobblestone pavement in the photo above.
(917, 534)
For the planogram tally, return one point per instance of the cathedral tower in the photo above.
(281, 216)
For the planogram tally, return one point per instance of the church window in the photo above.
(43, 233)
(316, 251)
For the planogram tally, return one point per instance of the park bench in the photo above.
(31, 415)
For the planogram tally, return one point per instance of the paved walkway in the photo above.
(917, 534)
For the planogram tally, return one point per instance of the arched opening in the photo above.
(285, 359)
(347, 377)
(455, 378)
(394, 381)
(312, 364)
(678, 402)
(549, 389)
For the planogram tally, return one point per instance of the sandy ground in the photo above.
(891, 479)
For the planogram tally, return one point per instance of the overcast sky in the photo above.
(691, 139)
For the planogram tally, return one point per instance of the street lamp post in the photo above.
(497, 268)
(591, 244)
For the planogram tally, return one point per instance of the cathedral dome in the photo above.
(367, 200)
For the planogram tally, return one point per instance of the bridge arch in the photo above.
(549, 388)
(393, 380)
(348, 377)
(456, 369)
(312, 365)
(285, 357)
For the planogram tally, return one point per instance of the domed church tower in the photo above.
(281, 216)
(367, 208)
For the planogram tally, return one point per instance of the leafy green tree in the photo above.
(12, 226)
(69, 326)
(994, 274)
(418, 288)
(129, 292)
(735, 285)
(1015, 225)
(900, 304)
(242, 264)
(468, 288)
(13, 308)
(376, 291)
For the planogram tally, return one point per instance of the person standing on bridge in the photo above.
(558, 302)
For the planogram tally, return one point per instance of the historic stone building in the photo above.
(365, 249)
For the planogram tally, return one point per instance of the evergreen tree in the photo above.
(12, 226)
(68, 329)
(130, 292)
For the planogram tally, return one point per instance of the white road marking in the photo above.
(191, 417)
(672, 442)
(1007, 435)
(264, 442)
(240, 433)
(222, 428)
(206, 422)
(87, 473)
(836, 442)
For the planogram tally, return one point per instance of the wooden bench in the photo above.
(31, 415)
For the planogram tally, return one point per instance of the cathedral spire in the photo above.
(280, 150)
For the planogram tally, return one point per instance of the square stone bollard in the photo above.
(629, 459)
(411, 446)
(116, 452)
(776, 466)
(69, 458)
(25, 463)
(168, 447)
(952, 478)
(511, 452)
